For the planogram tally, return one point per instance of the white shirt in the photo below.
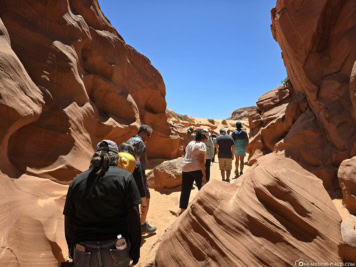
(193, 152)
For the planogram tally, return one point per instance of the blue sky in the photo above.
(214, 55)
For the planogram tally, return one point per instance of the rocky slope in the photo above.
(267, 218)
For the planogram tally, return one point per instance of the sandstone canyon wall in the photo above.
(67, 80)
(300, 133)
(315, 123)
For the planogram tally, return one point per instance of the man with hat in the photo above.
(101, 208)
(225, 148)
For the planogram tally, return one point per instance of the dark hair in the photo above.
(145, 128)
(199, 135)
(126, 147)
(101, 160)
(238, 125)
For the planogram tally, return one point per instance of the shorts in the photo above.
(225, 164)
(240, 151)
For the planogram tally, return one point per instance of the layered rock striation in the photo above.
(274, 215)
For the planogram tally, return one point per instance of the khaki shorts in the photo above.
(225, 164)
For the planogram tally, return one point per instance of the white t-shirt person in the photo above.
(194, 151)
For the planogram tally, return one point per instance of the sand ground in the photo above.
(162, 214)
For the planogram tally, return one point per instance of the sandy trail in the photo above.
(162, 214)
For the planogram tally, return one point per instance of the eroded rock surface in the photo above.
(273, 215)
(317, 39)
(347, 181)
(67, 80)
(166, 176)
(348, 231)
(241, 113)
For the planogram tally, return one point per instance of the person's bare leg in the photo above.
(228, 172)
(180, 212)
(236, 165)
(144, 209)
(222, 174)
(242, 164)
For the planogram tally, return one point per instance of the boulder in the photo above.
(348, 231)
(167, 175)
(347, 181)
(274, 215)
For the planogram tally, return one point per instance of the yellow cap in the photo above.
(126, 161)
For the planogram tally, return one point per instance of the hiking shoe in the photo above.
(241, 173)
(227, 180)
(146, 228)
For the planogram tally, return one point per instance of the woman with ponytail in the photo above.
(102, 204)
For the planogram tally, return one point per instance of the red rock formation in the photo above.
(274, 215)
(67, 80)
(167, 176)
(317, 41)
(241, 113)
(84, 82)
(347, 181)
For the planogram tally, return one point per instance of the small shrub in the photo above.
(211, 121)
(285, 82)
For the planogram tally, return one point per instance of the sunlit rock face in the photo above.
(275, 214)
(67, 80)
(318, 41)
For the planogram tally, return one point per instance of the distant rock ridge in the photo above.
(241, 113)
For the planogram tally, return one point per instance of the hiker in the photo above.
(210, 147)
(213, 137)
(193, 168)
(101, 204)
(188, 137)
(127, 161)
(241, 141)
(225, 147)
(138, 142)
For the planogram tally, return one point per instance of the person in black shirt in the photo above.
(225, 147)
(101, 204)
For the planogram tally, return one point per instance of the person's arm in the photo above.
(202, 158)
(69, 234)
(68, 213)
(246, 139)
(202, 168)
(134, 225)
(233, 151)
(132, 200)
